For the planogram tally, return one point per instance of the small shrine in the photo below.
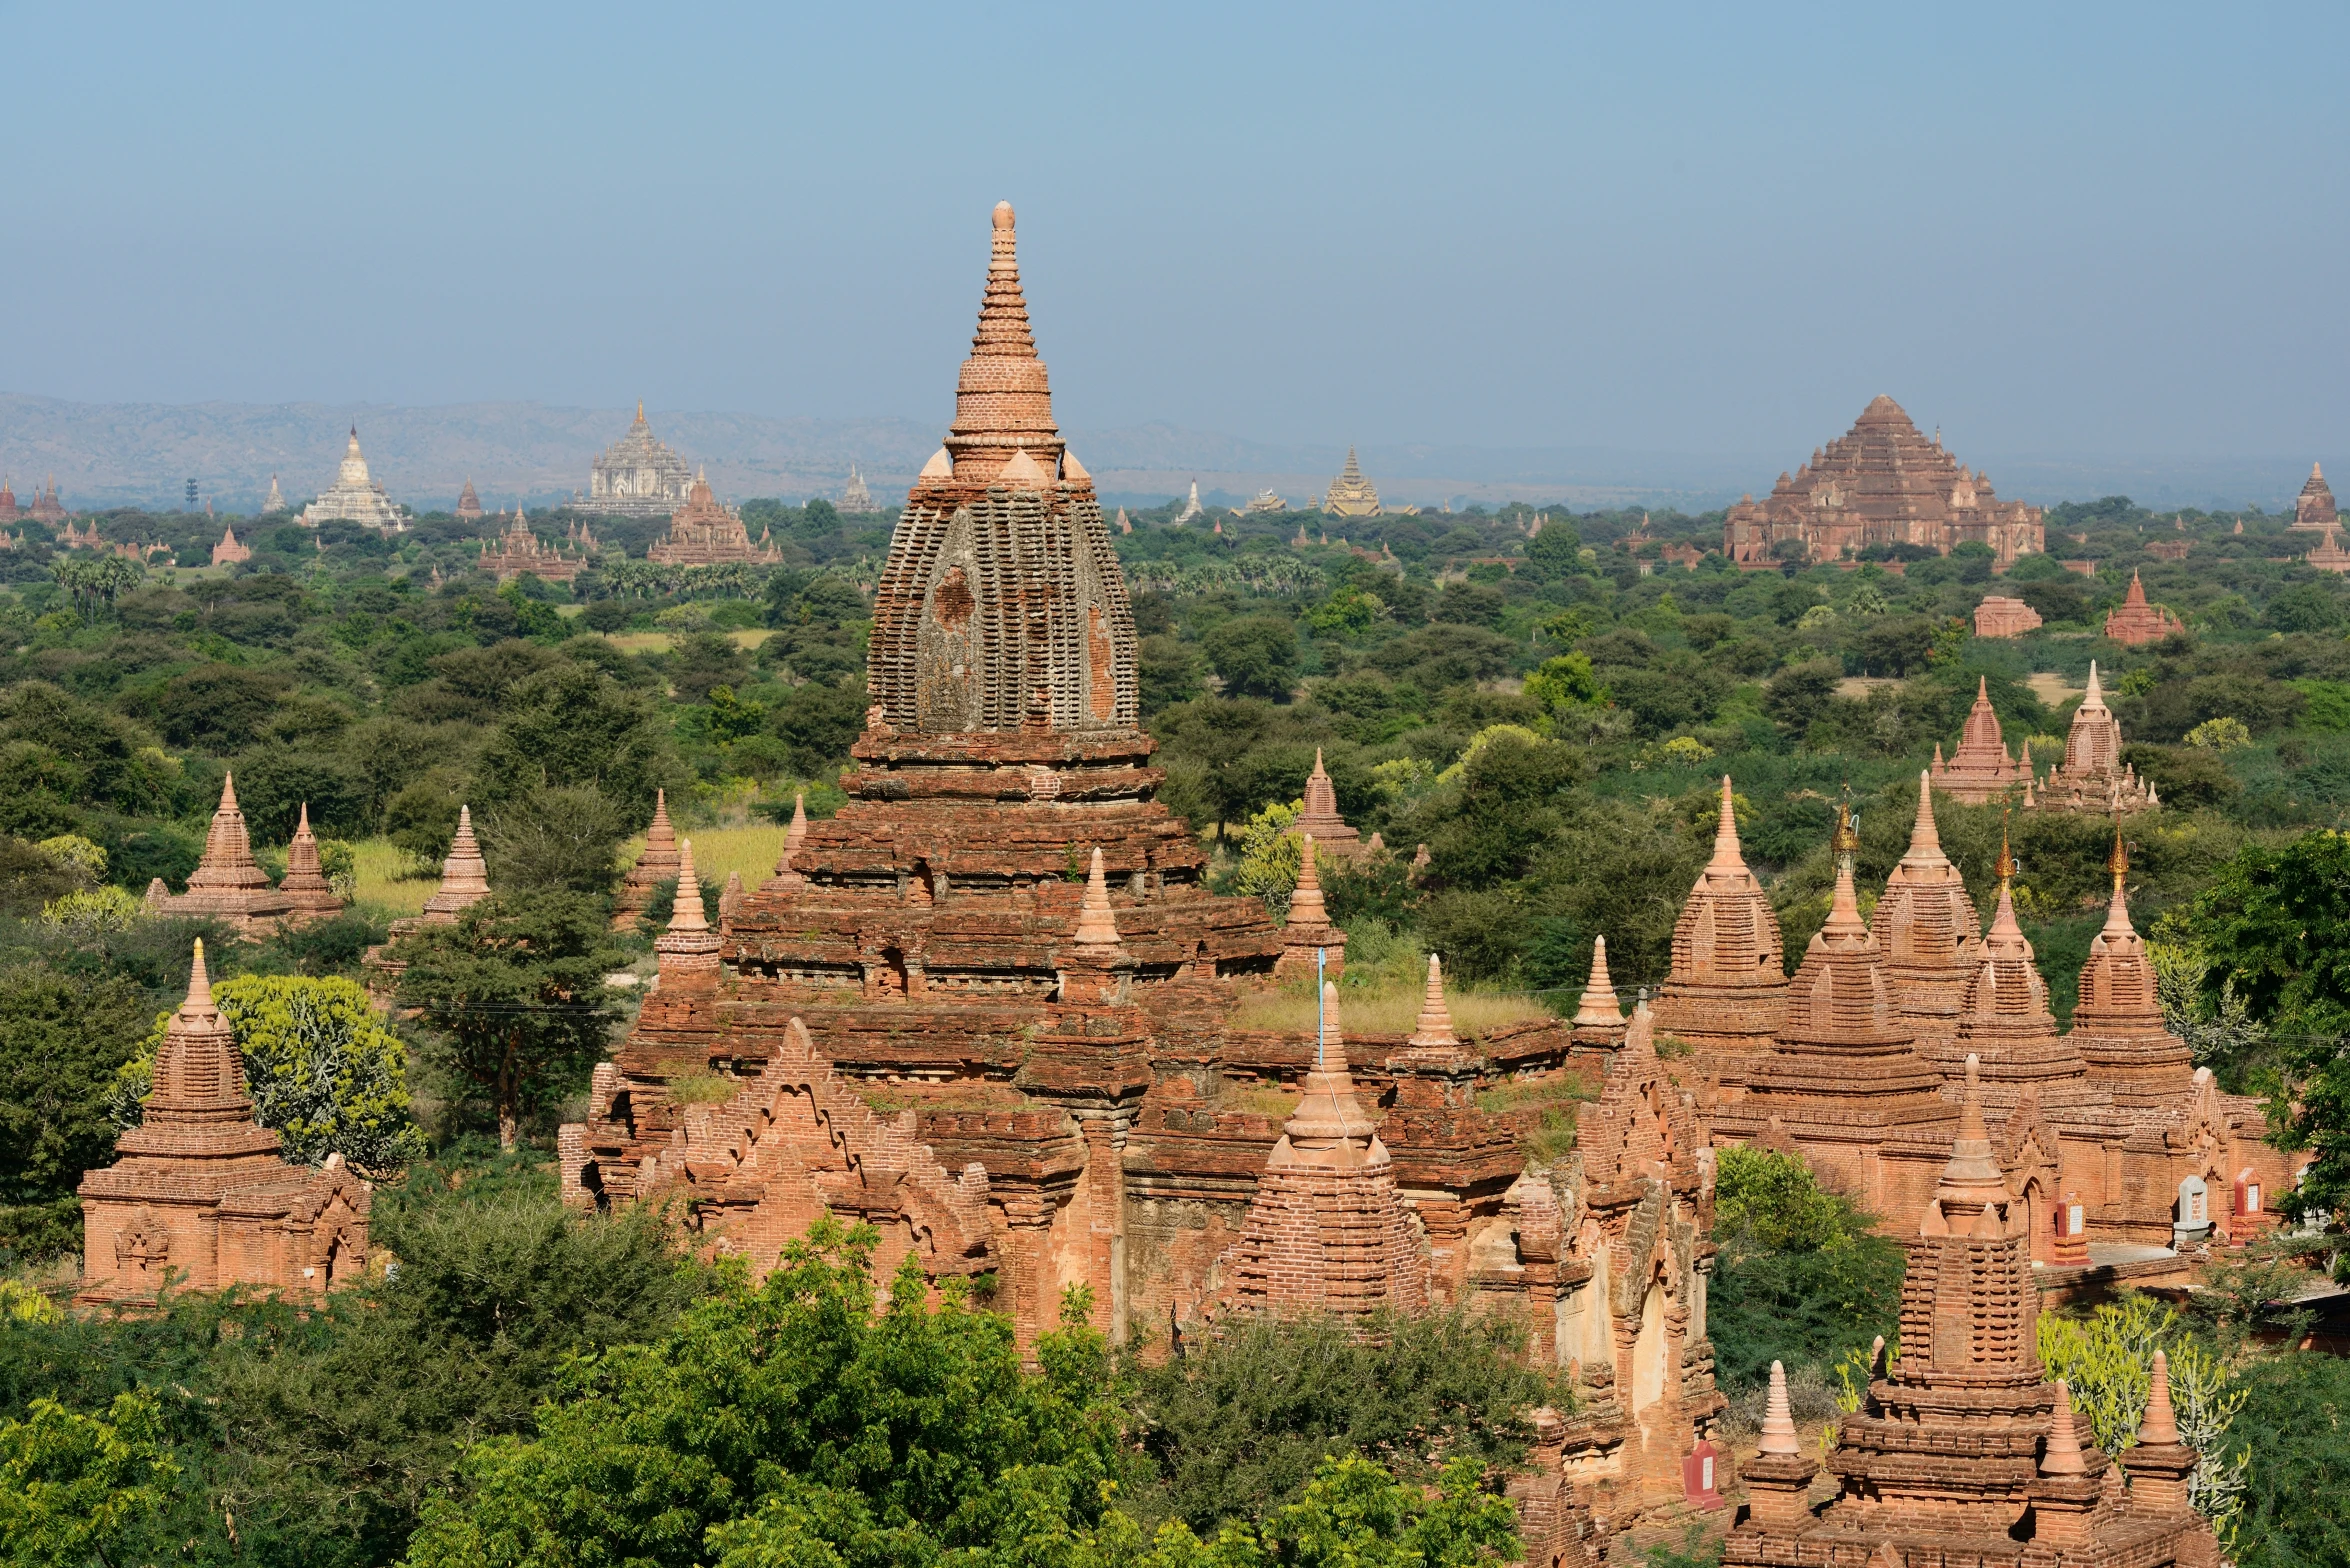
(2313, 508)
(2137, 623)
(1350, 494)
(1981, 770)
(520, 551)
(228, 883)
(1727, 990)
(228, 552)
(704, 533)
(354, 497)
(2000, 616)
(200, 1197)
(1318, 818)
(658, 863)
(2329, 556)
(305, 885)
(2092, 776)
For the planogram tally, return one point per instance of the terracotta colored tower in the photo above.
(656, 864)
(2118, 1027)
(1981, 770)
(228, 883)
(1925, 926)
(1728, 987)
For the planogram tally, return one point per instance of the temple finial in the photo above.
(688, 914)
(2063, 1456)
(2161, 1424)
(1778, 1427)
(1434, 1027)
(1096, 925)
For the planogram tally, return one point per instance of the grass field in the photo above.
(1391, 1008)
(751, 850)
(662, 642)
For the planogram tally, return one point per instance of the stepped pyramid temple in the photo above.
(2092, 776)
(228, 884)
(355, 498)
(2135, 623)
(1881, 483)
(2313, 509)
(637, 476)
(200, 1197)
(1961, 1451)
(2126, 1158)
(854, 497)
(989, 1008)
(1350, 494)
(703, 533)
(1981, 769)
(469, 505)
(520, 551)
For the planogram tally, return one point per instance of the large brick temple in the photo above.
(988, 1008)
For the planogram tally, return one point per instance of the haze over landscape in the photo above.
(1511, 253)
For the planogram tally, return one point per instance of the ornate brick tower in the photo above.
(1925, 926)
(2092, 776)
(1320, 820)
(305, 884)
(228, 882)
(1728, 986)
(1961, 1452)
(2137, 623)
(200, 1196)
(1327, 1232)
(655, 864)
(2117, 1027)
(1981, 770)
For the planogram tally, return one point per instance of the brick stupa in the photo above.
(305, 884)
(2313, 508)
(1925, 926)
(2092, 776)
(465, 877)
(1327, 1232)
(1318, 818)
(1599, 1014)
(1961, 1452)
(1981, 770)
(228, 552)
(1728, 987)
(200, 1197)
(2136, 623)
(655, 864)
(228, 884)
(2118, 1026)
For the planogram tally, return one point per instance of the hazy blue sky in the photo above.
(2047, 228)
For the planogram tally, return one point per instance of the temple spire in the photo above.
(1778, 1427)
(1435, 1023)
(2161, 1423)
(2063, 1455)
(1966, 1200)
(1305, 904)
(1727, 856)
(1599, 1006)
(687, 914)
(1003, 400)
(1925, 841)
(1096, 926)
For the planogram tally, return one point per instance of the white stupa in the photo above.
(355, 498)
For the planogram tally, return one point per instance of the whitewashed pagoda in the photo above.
(637, 476)
(1191, 508)
(355, 498)
(854, 497)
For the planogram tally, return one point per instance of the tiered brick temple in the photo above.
(2135, 623)
(465, 882)
(2328, 555)
(519, 551)
(2000, 616)
(1881, 483)
(658, 862)
(1980, 770)
(305, 885)
(1319, 819)
(637, 476)
(1349, 495)
(2093, 776)
(1727, 992)
(201, 1197)
(1961, 1452)
(703, 533)
(46, 507)
(932, 1027)
(469, 505)
(228, 552)
(228, 884)
(2313, 508)
(354, 497)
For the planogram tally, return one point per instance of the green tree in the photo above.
(1254, 655)
(321, 1067)
(61, 1038)
(72, 1486)
(571, 725)
(1555, 552)
(560, 839)
(515, 993)
(1564, 682)
(1803, 1276)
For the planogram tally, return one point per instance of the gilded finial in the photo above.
(2005, 868)
(1846, 840)
(2119, 861)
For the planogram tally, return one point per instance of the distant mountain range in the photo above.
(142, 454)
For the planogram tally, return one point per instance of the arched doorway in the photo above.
(1648, 1350)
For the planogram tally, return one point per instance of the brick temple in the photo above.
(1981, 769)
(229, 885)
(2000, 616)
(1881, 483)
(2092, 776)
(704, 533)
(2134, 623)
(520, 550)
(988, 1008)
(2313, 508)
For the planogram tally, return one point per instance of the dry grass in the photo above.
(747, 638)
(379, 867)
(752, 850)
(1386, 1009)
(704, 1088)
(2052, 688)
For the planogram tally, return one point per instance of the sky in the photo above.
(2047, 229)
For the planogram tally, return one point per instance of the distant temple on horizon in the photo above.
(704, 533)
(1350, 494)
(354, 497)
(520, 551)
(854, 497)
(2313, 509)
(1881, 483)
(637, 476)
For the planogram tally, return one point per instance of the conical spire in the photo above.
(1925, 841)
(660, 832)
(1598, 1007)
(1306, 908)
(1435, 1023)
(465, 879)
(797, 833)
(688, 951)
(1778, 1427)
(228, 864)
(1727, 857)
(1096, 925)
(1965, 1202)
(2161, 1423)
(2094, 697)
(1003, 401)
(199, 1083)
(688, 914)
(197, 1005)
(2063, 1455)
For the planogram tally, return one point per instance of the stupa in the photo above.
(1191, 507)
(1599, 1014)
(2313, 508)
(2136, 623)
(228, 552)
(1961, 1451)
(200, 1197)
(2092, 776)
(1727, 990)
(854, 497)
(637, 476)
(2000, 616)
(1318, 817)
(1980, 770)
(2118, 1026)
(656, 864)
(1350, 494)
(305, 884)
(520, 550)
(276, 500)
(465, 879)
(47, 508)
(1925, 927)
(228, 883)
(2328, 555)
(469, 504)
(354, 497)
(1881, 483)
(703, 533)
